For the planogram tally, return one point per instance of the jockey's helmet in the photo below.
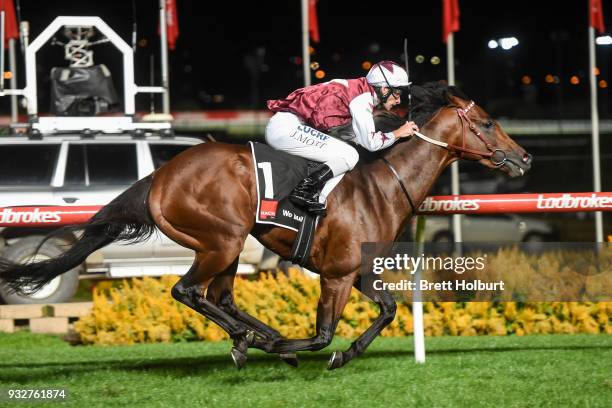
(387, 73)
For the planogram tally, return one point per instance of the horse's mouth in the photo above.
(514, 169)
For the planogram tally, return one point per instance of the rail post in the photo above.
(417, 300)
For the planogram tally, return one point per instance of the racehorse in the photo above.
(205, 199)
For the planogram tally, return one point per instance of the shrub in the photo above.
(142, 310)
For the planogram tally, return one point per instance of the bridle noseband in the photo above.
(492, 151)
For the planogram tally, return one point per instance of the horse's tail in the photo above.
(126, 218)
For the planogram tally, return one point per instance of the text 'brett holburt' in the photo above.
(426, 285)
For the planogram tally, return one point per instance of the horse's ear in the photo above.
(455, 100)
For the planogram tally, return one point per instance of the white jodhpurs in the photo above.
(286, 132)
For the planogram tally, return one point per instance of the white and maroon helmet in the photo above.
(387, 73)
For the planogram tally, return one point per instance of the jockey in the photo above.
(302, 121)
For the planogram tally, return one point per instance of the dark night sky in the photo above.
(216, 38)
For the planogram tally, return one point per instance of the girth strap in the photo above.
(300, 252)
(401, 183)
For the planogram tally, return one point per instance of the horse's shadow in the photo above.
(203, 365)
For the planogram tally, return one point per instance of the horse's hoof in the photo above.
(239, 358)
(290, 359)
(335, 361)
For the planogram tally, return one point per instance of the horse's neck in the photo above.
(419, 164)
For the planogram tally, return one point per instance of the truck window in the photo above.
(163, 152)
(101, 164)
(27, 164)
(112, 164)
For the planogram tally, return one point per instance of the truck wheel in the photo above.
(444, 242)
(534, 237)
(534, 242)
(59, 289)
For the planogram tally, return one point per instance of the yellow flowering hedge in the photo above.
(142, 310)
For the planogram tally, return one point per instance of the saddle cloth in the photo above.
(277, 173)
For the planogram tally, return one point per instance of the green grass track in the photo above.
(530, 371)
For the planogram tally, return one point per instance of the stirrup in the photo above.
(321, 211)
(304, 200)
(312, 205)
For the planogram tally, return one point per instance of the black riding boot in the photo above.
(306, 194)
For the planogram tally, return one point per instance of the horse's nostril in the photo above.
(527, 158)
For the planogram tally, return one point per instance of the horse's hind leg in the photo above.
(387, 313)
(221, 292)
(334, 295)
(189, 290)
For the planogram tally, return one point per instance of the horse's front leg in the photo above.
(335, 292)
(260, 335)
(387, 313)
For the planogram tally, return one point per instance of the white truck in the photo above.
(79, 157)
(75, 170)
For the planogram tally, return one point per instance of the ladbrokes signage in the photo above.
(46, 216)
(567, 201)
(517, 203)
(33, 216)
(433, 205)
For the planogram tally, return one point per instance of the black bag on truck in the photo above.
(82, 91)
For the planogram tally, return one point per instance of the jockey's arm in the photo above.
(363, 124)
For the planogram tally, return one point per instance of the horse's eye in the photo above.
(489, 124)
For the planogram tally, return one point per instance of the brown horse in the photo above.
(205, 199)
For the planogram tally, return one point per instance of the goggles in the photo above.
(396, 92)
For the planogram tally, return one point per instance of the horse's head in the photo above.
(473, 135)
(463, 127)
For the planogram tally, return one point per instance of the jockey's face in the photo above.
(393, 99)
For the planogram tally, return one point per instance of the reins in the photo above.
(465, 120)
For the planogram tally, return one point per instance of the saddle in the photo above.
(277, 173)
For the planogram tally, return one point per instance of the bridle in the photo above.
(461, 150)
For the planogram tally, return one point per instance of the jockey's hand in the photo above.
(406, 130)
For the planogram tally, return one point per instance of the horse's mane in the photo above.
(427, 99)
(430, 97)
